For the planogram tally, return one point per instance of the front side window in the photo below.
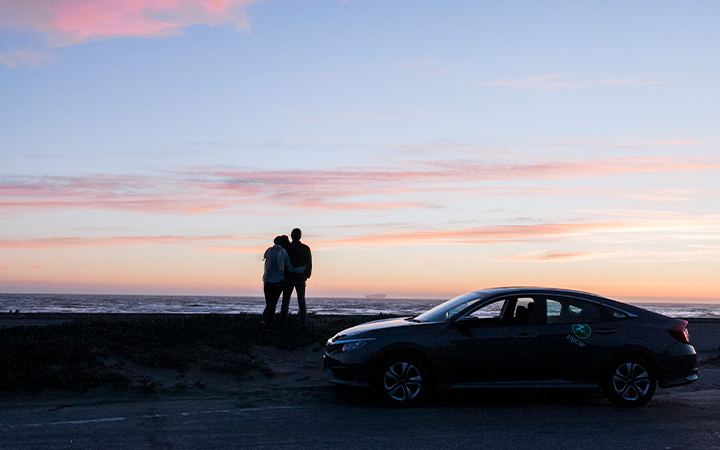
(509, 311)
(490, 311)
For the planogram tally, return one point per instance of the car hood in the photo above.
(373, 326)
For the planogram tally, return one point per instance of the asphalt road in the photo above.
(331, 418)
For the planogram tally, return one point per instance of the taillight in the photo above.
(680, 332)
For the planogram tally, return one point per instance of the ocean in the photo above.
(188, 304)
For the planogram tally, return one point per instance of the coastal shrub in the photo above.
(34, 358)
(89, 352)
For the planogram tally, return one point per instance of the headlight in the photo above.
(355, 344)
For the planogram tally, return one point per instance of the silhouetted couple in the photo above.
(287, 266)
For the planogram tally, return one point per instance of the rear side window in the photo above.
(569, 310)
(617, 314)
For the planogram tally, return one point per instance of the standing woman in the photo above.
(276, 262)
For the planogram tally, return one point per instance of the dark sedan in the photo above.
(517, 337)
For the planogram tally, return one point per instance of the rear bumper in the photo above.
(678, 366)
(679, 381)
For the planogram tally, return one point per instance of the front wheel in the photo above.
(629, 382)
(402, 380)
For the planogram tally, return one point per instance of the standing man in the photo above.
(300, 256)
(277, 264)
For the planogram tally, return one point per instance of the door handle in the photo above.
(607, 331)
(525, 336)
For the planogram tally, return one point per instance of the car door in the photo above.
(575, 340)
(496, 342)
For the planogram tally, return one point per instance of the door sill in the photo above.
(526, 384)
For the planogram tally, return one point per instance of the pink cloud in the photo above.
(520, 233)
(558, 256)
(440, 171)
(70, 22)
(571, 169)
(477, 235)
(125, 193)
(116, 241)
(406, 185)
(25, 58)
(35, 267)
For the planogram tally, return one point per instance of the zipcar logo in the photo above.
(582, 331)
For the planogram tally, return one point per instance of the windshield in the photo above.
(450, 308)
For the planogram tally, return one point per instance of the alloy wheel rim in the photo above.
(402, 381)
(631, 381)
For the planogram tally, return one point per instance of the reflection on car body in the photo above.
(517, 337)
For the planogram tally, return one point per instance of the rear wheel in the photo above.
(402, 380)
(629, 381)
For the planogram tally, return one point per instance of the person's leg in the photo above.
(267, 290)
(302, 307)
(272, 295)
(285, 307)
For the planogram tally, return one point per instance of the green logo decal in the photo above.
(582, 331)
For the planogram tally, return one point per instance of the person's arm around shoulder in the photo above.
(286, 260)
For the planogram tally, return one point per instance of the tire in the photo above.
(402, 380)
(629, 382)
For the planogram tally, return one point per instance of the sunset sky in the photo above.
(424, 148)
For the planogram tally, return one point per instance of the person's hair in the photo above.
(278, 240)
(284, 241)
(296, 234)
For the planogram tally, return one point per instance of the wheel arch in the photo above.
(392, 352)
(640, 353)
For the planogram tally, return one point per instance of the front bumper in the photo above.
(347, 370)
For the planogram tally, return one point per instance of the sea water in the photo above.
(188, 304)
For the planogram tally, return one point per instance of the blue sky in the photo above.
(425, 148)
